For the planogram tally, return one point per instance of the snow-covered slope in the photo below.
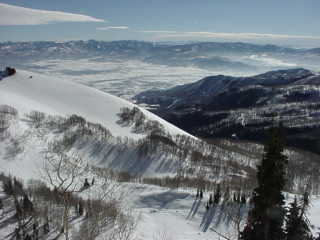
(28, 91)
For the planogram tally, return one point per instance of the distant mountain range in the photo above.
(243, 107)
(243, 57)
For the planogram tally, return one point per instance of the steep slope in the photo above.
(62, 106)
(28, 91)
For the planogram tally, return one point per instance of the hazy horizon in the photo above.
(286, 23)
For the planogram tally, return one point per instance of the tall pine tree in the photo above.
(266, 218)
(297, 223)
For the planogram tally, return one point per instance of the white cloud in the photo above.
(113, 28)
(257, 36)
(158, 31)
(15, 15)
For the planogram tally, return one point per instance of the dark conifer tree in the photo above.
(207, 206)
(234, 197)
(80, 209)
(8, 187)
(217, 195)
(210, 200)
(35, 231)
(243, 199)
(201, 194)
(266, 218)
(86, 183)
(18, 208)
(27, 205)
(297, 224)
(239, 197)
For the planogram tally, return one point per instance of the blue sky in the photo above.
(286, 22)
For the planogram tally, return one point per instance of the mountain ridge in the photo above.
(219, 56)
(223, 106)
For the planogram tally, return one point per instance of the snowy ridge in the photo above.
(28, 91)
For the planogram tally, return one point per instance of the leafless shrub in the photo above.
(137, 118)
(36, 118)
(64, 173)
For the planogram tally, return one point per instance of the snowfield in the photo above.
(28, 91)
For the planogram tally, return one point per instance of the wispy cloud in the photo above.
(113, 28)
(187, 35)
(155, 31)
(15, 15)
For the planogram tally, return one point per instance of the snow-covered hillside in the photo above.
(27, 91)
(164, 213)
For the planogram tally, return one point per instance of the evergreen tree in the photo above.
(239, 197)
(234, 197)
(201, 194)
(210, 200)
(27, 205)
(217, 195)
(297, 227)
(17, 186)
(8, 187)
(35, 230)
(80, 209)
(207, 206)
(266, 218)
(243, 199)
(86, 183)
(18, 208)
